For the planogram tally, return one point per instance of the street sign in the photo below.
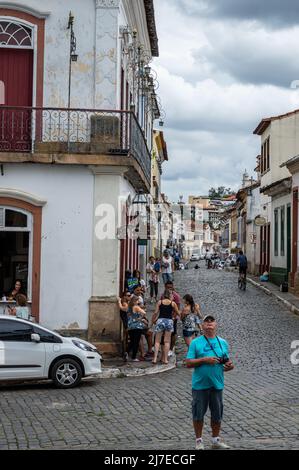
(260, 221)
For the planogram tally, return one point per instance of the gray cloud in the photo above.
(274, 13)
(218, 78)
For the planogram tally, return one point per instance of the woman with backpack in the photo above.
(136, 323)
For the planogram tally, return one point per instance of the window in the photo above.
(15, 35)
(11, 330)
(15, 219)
(265, 156)
(46, 336)
(282, 230)
(15, 249)
(276, 232)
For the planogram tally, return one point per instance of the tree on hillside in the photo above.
(220, 192)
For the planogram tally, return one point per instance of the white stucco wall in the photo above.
(284, 144)
(67, 226)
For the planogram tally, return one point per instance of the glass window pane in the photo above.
(11, 330)
(15, 219)
(46, 336)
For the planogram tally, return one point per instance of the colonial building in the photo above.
(292, 165)
(75, 143)
(279, 141)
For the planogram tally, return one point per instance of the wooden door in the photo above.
(16, 72)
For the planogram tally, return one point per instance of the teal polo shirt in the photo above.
(207, 375)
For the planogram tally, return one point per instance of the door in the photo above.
(16, 73)
(20, 358)
(289, 239)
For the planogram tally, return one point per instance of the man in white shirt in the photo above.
(167, 267)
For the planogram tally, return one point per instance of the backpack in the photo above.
(243, 261)
(157, 267)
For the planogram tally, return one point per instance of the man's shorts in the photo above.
(204, 399)
(242, 270)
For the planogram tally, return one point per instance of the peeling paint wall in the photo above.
(96, 75)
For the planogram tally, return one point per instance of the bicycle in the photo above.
(242, 282)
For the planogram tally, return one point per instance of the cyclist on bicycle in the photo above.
(242, 263)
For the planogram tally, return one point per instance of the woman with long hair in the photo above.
(191, 319)
(123, 303)
(136, 324)
(16, 290)
(163, 317)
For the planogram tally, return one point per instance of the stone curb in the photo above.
(288, 304)
(117, 373)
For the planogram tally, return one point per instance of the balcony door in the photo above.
(16, 75)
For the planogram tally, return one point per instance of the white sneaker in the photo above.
(219, 445)
(199, 445)
(135, 360)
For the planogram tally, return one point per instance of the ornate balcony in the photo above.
(76, 136)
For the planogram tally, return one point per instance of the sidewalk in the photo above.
(289, 300)
(117, 368)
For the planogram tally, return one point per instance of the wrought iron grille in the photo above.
(82, 131)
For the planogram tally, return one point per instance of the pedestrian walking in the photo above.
(208, 355)
(191, 319)
(166, 310)
(167, 267)
(153, 277)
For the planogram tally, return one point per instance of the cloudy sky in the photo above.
(223, 66)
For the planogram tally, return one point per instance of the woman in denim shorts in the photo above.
(191, 319)
(163, 319)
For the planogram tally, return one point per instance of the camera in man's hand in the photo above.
(223, 360)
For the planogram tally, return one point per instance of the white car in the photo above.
(32, 352)
(195, 257)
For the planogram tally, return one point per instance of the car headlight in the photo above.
(84, 346)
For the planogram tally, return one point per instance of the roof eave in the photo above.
(151, 25)
(263, 125)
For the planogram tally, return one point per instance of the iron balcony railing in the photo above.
(76, 131)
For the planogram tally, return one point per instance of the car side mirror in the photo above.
(35, 338)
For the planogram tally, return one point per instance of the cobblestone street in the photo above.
(154, 412)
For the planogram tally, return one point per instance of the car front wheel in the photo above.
(66, 373)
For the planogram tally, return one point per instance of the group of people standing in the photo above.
(162, 329)
(207, 355)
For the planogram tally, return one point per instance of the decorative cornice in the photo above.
(22, 196)
(107, 4)
(278, 188)
(25, 9)
(151, 25)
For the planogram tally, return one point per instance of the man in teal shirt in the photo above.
(208, 355)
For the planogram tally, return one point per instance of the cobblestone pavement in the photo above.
(261, 395)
